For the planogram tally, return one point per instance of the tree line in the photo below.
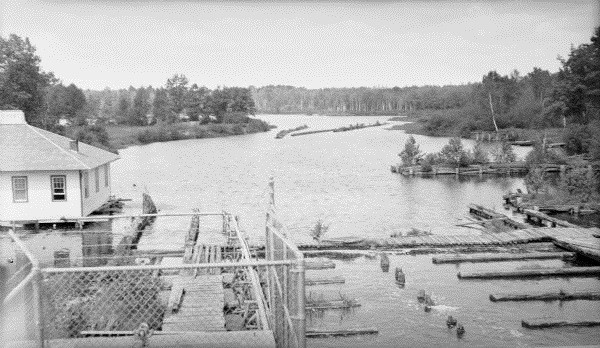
(47, 102)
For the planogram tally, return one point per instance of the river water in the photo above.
(345, 179)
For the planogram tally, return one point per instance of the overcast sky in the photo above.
(95, 44)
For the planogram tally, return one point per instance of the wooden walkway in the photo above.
(201, 306)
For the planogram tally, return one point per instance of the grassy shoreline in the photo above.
(416, 125)
(123, 136)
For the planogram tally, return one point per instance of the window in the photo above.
(86, 184)
(19, 186)
(97, 178)
(58, 185)
(106, 167)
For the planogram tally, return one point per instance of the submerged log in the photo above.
(385, 262)
(549, 296)
(539, 272)
(345, 332)
(539, 324)
(324, 281)
(319, 264)
(337, 304)
(500, 257)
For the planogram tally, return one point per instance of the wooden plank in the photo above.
(547, 296)
(312, 333)
(487, 257)
(175, 297)
(539, 272)
(540, 324)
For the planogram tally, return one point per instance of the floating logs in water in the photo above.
(428, 303)
(458, 258)
(324, 281)
(346, 332)
(539, 272)
(548, 296)
(421, 296)
(460, 330)
(385, 262)
(539, 324)
(319, 263)
(285, 132)
(400, 276)
(451, 322)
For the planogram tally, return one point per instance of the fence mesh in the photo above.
(102, 293)
(18, 310)
(285, 286)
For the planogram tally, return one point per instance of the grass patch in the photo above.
(122, 136)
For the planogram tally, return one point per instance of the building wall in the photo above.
(39, 204)
(95, 199)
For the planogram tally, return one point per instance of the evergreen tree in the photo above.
(161, 109)
(141, 107)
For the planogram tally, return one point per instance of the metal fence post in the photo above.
(37, 302)
(300, 314)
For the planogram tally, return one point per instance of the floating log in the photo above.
(549, 296)
(500, 257)
(539, 324)
(319, 264)
(384, 262)
(538, 272)
(337, 304)
(345, 332)
(324, 281)
(400, 276)
(285, 132)
(534, 214)
(486, 213)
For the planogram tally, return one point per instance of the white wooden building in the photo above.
(45, 176)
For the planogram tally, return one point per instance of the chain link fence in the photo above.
(19, 310)
(285, 285)
(109, 297)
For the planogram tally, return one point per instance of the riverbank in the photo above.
(123, 136)
(419, 126)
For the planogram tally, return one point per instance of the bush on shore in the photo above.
(182, 131)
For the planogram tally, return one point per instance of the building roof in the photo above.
(27, 148)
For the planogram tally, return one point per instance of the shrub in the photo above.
(540, 155)
(454, 154)
(319, 230)
(411, 153)
(534, 181)
(577, 185)
(218, 128)
(255, 126)
(235, 117)
(237, 129)
(504, 153)
(480, 155)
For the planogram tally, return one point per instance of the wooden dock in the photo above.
(196, 304)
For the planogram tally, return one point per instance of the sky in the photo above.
(98, 44)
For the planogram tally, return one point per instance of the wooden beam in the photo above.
(539, 272)
(488, 257)
(548, 296)
(311, 333)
